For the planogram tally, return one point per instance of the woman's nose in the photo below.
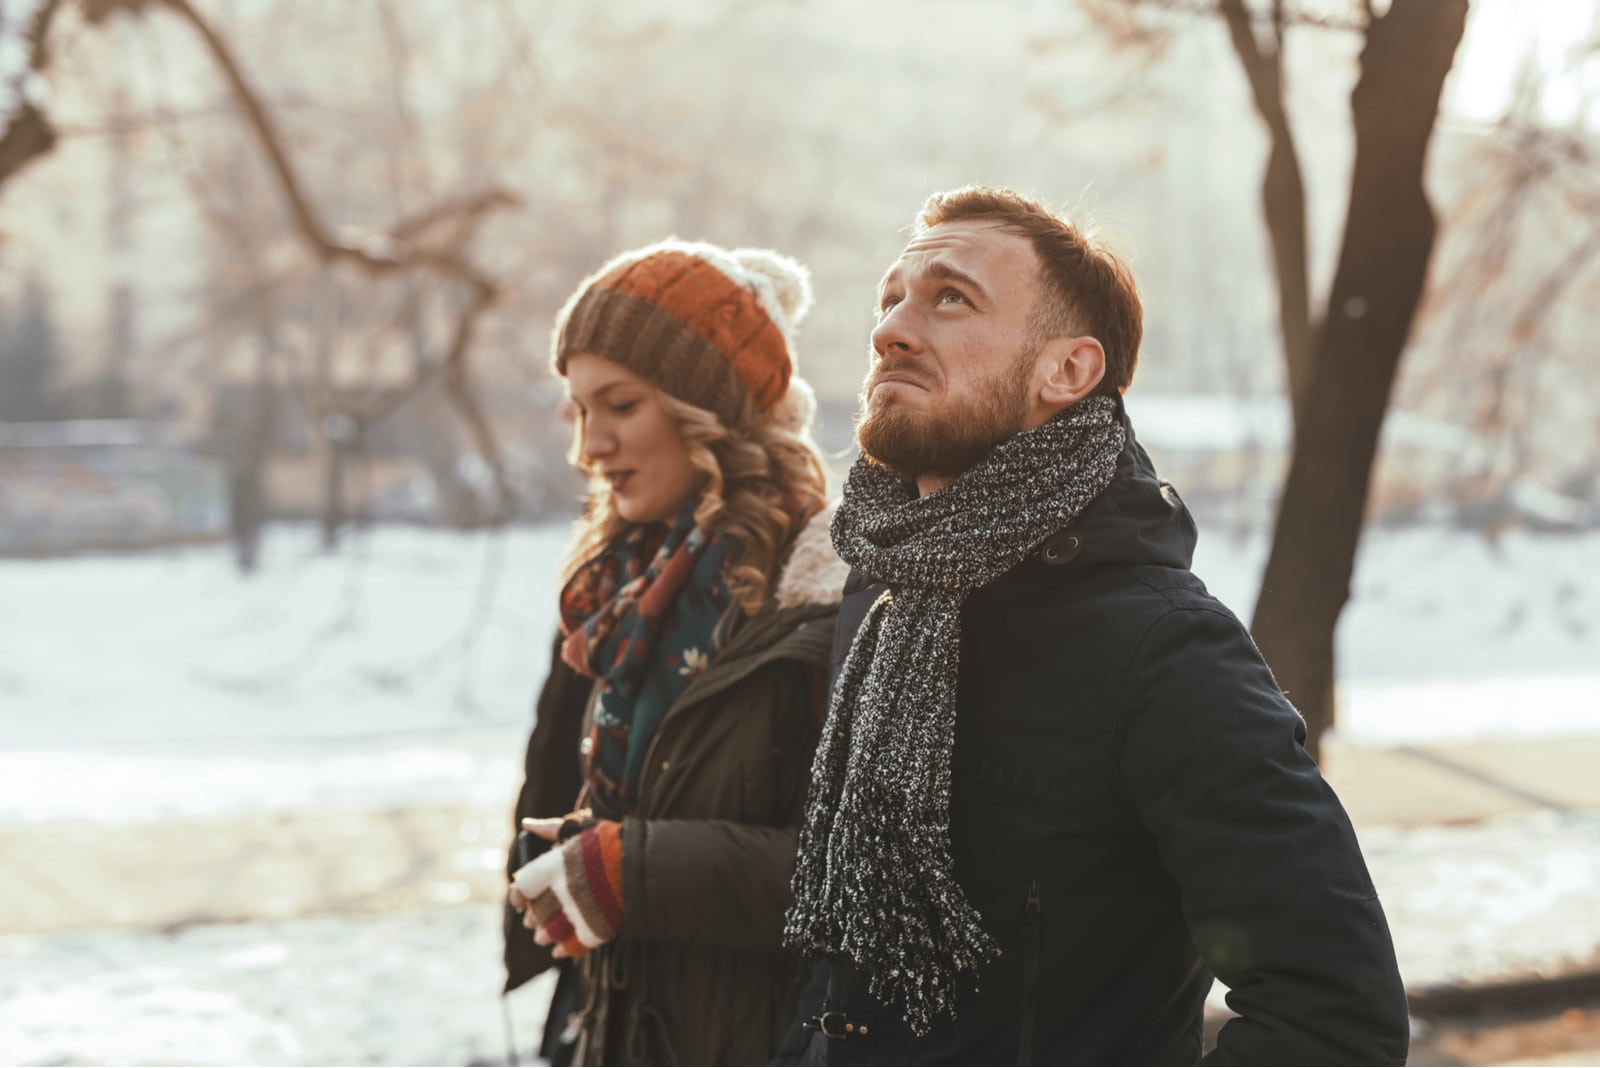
(598, 442)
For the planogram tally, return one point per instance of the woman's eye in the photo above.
(625, 407)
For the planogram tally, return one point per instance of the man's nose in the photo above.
(895, 332)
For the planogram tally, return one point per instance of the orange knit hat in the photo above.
(711, 326)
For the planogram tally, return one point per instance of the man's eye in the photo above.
(887, 304)
(950, 294)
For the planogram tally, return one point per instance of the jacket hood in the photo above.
(1137, 519)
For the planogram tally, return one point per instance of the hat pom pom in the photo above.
(790, 282)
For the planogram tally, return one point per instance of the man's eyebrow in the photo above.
(940, 271)
(945, 272)
(888, 276)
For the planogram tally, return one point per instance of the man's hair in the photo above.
(1086, 290)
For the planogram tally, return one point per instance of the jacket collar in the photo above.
(1137, 519)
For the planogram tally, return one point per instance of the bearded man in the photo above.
(1058, 789)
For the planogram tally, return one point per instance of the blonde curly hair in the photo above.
(761, 478)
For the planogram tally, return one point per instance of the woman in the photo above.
(696, 618)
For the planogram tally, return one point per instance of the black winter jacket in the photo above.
(1132, 813)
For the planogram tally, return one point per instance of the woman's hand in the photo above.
(572, 896)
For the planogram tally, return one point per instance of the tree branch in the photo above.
(373, 254)
(1283, 197)
(29, 134)
(382, 255)
(266, 130)
(1290, 16)
(1260, 70)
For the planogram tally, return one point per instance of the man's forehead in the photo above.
(972, 245)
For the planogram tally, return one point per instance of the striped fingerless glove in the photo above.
(574, 891)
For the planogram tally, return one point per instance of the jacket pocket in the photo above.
(1028, 1022)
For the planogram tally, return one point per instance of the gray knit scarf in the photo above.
(875, 879)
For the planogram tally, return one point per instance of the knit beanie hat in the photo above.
(712, 327)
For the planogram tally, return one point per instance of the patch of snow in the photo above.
(416, 987)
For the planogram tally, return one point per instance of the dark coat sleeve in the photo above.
(721, 882)
(552, 777)
(1274, 888)
(800, 1043)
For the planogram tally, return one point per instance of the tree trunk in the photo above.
(1388, 241)
(253, 446)
(333, 504)
(1283, 196)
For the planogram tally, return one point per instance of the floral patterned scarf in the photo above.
(644, 617)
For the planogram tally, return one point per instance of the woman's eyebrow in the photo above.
(600, 394)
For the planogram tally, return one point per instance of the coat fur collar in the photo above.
(814, 574)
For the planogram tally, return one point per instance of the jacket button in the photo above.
(1061, 550)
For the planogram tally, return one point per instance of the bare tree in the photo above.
(1383, 263)
(428, 248)
(1341, 365)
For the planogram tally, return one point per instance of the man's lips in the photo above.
(904, 378)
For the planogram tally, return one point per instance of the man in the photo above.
(1058, 790)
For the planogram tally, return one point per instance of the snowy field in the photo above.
(164, 700)
(413, 632)
(168, 684)
(413, 987)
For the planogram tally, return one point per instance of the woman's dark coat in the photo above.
(698, 975)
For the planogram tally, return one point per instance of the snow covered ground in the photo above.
(420, 986)
(421, 632)
(412, 987)
(163, 696)
(167, 683)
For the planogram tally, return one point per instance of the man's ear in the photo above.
(1068, 370)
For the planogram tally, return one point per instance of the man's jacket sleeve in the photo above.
(1276, 894)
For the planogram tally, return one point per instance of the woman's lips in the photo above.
(618, 480)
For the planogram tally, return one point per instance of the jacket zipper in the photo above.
(1030, 974)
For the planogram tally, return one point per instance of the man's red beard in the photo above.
(947, 441)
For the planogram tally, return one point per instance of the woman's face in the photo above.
(625, 436)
